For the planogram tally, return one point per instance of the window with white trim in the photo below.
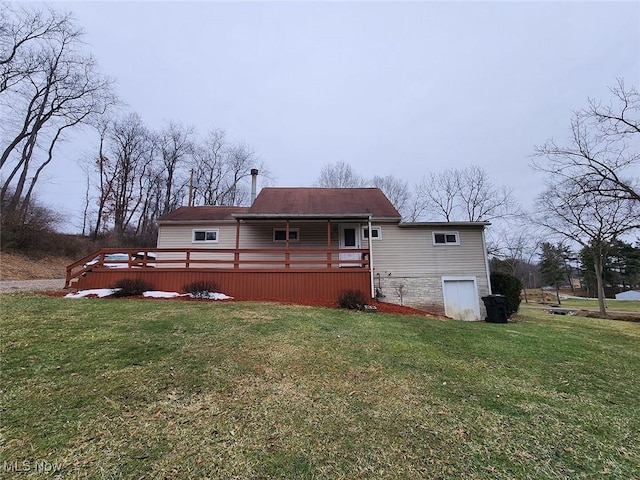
(446, 238)
(205, 236)
(280, 234)
(376, 233)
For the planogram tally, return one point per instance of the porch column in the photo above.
(287, 255)
(373, 291)
(328, 243)
(236, 255)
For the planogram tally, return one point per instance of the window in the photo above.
(446, 238)
(210, 236)
(376, 232)
(280, 234)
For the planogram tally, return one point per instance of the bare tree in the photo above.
(151, 206)
(103, 166)
(19, 29)
(571, 210)
(175, 145)
(396, 190)
(481, 200)
(516, 246)
(602, 153)
(86, 222)
(124, 165)
(208, 168)
(462, 195)
(48, 87)
(240, 159)
(436, 196)
(339, 175)
(219, 169)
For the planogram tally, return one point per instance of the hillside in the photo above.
(15, 266)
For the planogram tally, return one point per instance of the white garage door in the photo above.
(461, 298)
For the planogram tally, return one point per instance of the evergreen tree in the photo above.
(552, 265)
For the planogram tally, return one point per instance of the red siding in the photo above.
(278, 285)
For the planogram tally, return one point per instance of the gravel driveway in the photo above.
(12, 286)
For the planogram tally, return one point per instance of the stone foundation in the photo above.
(411, 291)
(424, 293)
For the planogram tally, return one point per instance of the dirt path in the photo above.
(12, 286)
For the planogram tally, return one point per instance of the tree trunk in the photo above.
(598, 267)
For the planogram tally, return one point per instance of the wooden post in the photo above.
(328, 243)
(287, 255)
(236, 255)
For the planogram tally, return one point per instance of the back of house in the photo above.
(352, 233)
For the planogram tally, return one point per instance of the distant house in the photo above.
(628, 295)
(296, 244)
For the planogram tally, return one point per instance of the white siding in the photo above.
(408, 267)
(409, 251)
(180, 236)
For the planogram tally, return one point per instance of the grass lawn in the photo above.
(592, 304)
(171, 389)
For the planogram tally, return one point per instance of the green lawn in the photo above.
(170, 389)
(592, 304)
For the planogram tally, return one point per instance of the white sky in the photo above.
(388, 87)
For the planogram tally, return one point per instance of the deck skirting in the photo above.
(288, 285)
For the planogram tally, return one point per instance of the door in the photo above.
(461, 298)
(350, 239)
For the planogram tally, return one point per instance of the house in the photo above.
(438, 266)
(628, 295)
(311, 243)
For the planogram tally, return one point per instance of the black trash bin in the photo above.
(496, 308)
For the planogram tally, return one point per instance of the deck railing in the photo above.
(247, 259)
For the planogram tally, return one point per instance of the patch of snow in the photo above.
(211, 296)
(105, 292)
(159, 294)
(98, 292)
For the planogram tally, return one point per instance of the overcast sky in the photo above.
(388, 87)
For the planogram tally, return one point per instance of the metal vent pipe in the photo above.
(254, 182)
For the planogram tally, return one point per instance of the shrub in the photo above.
(509, 286)
(352, 299)
(26, 228)
(201, 288)
(130, 287)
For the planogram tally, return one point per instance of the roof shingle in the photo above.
(206, 212)
(299, 202)
(323, 201)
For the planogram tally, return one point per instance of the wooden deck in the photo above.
(247, 274)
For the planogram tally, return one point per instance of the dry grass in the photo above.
(14, 266)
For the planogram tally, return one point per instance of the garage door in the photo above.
(461, 298)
